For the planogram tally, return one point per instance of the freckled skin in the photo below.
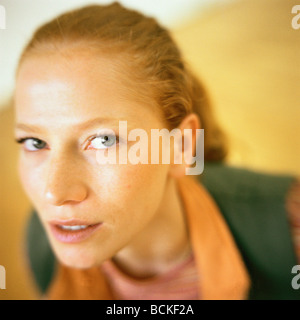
(64, 180)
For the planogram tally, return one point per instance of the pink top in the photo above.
(180, 283)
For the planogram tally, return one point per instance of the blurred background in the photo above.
(246, 53)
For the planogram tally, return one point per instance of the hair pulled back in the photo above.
(149, 48)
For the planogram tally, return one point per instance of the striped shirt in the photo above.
(293, 208)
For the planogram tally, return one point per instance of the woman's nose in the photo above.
(64, 184)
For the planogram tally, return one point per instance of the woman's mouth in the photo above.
(72, 231)
(73, 228)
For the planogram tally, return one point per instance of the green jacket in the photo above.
(253, 205)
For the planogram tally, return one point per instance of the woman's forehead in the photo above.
(82, 86)
(75, 65)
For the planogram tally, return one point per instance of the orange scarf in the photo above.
(223, 274)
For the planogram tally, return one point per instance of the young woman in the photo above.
(129, 230)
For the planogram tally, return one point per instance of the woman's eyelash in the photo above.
(104, 135)
(35, 145)
(21, 140)
(107, 141)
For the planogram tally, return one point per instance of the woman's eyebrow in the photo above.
(79, 125)
(26, 127)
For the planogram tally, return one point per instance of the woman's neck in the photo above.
(162, 244)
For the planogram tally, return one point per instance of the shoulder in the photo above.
(249, 198)
(244, 183)
(254, 207)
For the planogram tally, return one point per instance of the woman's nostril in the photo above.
(73, 193)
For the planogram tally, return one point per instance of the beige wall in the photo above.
(248, 56)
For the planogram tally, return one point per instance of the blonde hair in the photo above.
(150, 49)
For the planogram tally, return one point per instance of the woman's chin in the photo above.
(73, 258)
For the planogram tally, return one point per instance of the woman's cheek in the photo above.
(114, 183)
(26, 178)
(134, 186)
(31, 177)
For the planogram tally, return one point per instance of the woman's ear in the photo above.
(185, 145)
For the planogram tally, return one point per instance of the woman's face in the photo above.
(64, 106)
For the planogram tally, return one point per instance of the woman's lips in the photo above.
(73, 231)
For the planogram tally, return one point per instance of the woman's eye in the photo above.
(103, 142)
(32, 144)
